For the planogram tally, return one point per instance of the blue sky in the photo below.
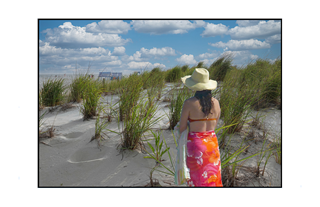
(133, 45)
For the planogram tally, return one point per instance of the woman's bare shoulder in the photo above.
(214, 100)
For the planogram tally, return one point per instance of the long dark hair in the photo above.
(204, 98)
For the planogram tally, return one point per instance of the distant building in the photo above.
(110, 75)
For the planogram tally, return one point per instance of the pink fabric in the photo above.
(203, 159)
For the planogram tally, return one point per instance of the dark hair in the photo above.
(204, 98)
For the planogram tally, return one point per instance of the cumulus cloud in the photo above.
(212, 30)
(165, 26)
(208, 58)
(246, 23)
(118, 51)
(154, 52)
(240, 58)
(261, 30)
(69, 36)
(186, 59)
(109, 27)
(114, 62)
(274, 39)
(144, 54)
(208, 55)
(144, 65)
(63, 58)
(242, 45)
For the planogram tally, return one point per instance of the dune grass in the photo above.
(52, 92)
(157, 150)
(100, 126)
(177, 99)
(78, 87)
(129, 94)
(235, 102)
(91, 96)
(219, 68)
(136, 112)
(277, 147)
(265, 79)
(141, 119)
(173, 75)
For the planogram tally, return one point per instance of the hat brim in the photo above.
(196, 86)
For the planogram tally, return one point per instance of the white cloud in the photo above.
(109, 26)
(262, 30)
(61, 57)
(114, 62)
(242, 45)
(47, 49)
(212, 30)
(208, 58)
(118, 51)
(186, 59)
(165, 26)
(144, 54)
(69, 36)
(144, 65)
(159, 65)
(208, 55)
(274, 39)
(154, 52)
(246, 23)
(240, 58)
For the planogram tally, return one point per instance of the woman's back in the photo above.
(198, 120)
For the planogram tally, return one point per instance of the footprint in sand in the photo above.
(88, 154)
(73, 135)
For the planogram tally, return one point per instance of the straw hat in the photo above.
(199, 80)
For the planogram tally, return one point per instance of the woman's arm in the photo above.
(184, 116)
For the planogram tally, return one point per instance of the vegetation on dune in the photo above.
(78, 86)
(177, 99)
(173, 75)
(52, 92)
(91, 96)
(219, 68)
(240, 91)
(129, 94)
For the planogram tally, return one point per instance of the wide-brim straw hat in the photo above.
(199, 80)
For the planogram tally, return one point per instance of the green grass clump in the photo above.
(176, 105)
(141, 119)
(265, 79)
(52, 92)
(184, 68)
(157, 150)
(219, 68)
(173, 75)
(235, 101)
(91, 97)
(78, 86)
(100, 127)
(201, 65)
(129, 94)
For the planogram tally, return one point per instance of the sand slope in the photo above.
(70, 159)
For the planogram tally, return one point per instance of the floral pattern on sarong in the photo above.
(203, 159)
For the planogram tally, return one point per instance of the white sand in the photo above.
(72, 160)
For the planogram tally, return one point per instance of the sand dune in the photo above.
(70, 159)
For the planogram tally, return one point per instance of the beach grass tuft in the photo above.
(173, 75)
(52, 92)
(91, 97)
(219, 68)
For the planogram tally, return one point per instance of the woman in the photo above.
(203, 113)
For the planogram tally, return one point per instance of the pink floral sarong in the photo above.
(203, 159)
